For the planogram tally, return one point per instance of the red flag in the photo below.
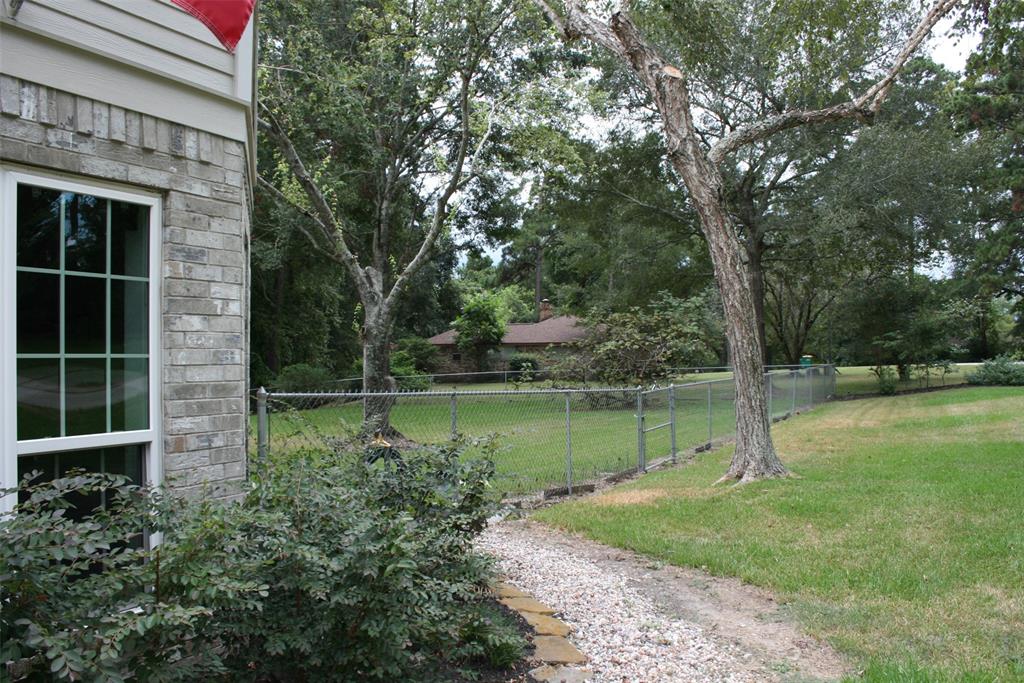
(226, 18)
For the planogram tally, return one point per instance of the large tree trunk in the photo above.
(377, 373)
(755, 456)
(755, 269)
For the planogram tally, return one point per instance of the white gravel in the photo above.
(620, 631)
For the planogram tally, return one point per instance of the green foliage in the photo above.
(524, 362)
(479, 328)
(1002, 370)
(888, 379)
(643, 343)
(989, 103)
(76, 595)
(329, 569)
(303, 377)
(406, 374)
(487, 635)
(422, 353)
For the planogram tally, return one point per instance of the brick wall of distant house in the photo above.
(548, 356)
(204, 184)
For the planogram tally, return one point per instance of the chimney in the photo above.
(545, 310)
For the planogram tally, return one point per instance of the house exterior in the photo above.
(546, 339)
(126, 169)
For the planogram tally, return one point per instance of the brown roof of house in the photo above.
(560, 329)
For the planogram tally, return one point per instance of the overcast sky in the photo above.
(949, 51)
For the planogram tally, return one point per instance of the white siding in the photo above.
(145, 55)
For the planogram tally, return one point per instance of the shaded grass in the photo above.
(902, 542)
(857, 380)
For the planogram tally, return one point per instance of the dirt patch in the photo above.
(743, 616)
(623, 498)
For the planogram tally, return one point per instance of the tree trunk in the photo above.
(755, 456)
(538, 278)
(755, 270)
(377, 374)
(274, 345)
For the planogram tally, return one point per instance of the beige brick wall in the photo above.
(203, 180)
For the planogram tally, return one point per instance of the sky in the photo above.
(949, 51)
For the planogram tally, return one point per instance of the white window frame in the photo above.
(10, 447)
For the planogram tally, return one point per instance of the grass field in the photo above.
(530, 428)
(901, 541)
(857, 380)
(852, 380)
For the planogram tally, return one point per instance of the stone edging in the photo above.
(558, 659)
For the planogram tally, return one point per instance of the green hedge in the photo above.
(1002, 371)
(329, 569)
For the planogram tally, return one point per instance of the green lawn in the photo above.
(531, 428)
(901, 541)
(856, 380)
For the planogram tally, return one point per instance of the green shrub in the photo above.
(1002, 370)
(329, 569)
(407, 376)
(303, 377)
(524, 362)
(887, 379)
(83, 600)
(423, 354)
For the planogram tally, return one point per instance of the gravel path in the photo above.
(643, 623)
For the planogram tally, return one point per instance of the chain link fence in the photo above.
(546, 439)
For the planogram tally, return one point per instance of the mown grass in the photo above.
(858, 380)
(530, 428)
(901, 540)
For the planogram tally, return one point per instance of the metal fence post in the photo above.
(640, 456)
(454, 416)
(794, 376)
(672, 419)
(810, 387)
(834, 378)
(768, 385)
(568, 444)
(711, 432)
(262, 425)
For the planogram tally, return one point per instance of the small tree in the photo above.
(645, 342)
(480, 328)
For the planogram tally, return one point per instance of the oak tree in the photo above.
(697, 162)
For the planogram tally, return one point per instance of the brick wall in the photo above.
(203, 179)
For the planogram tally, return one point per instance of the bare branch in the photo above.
(578, 24)
(441, 205)
(327, 221)
(864, 107)
(282, 199)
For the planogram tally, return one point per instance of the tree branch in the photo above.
(441, 206)
(328, 223)
(865, 106)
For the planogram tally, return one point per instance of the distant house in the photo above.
(545, 339)
(126, 170)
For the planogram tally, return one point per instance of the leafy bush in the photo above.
(329, 569)
(422, 353)
(303, 377)
(1002, 370)
(642, 343)
(83, 600)
(887, 379)
(406, 374)
(524, 362)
